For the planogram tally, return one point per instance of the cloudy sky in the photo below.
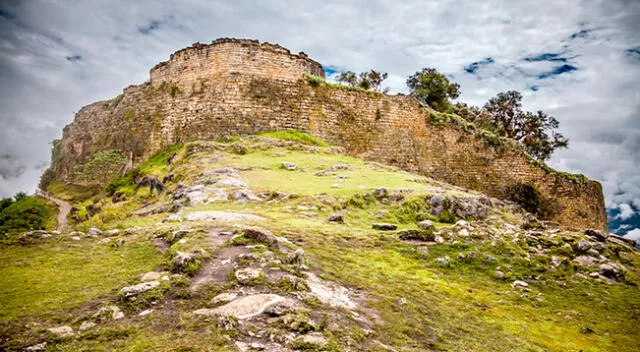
(577, 60)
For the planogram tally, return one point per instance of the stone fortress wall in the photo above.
(244, 87)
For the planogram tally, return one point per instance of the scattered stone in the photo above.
(621, 240)
(152, 275)
(247, 275)
(196, 197)
(224, 297)
(557, 261)
(181, 260)
(111, 233)
(330, 293)
(336, 218)
(438, 239)
(443, 260)
(116, 312)
(416, 235)
(385, 227)
(281, 308)
(41, 347)
(586, 260)
(119, 243)
(381, 193)
(243, 307)
(131, 291)
(463, 233)
(596, 234)
(105, 240)
(221, 216)
(86, 325)
(261, 235)
(173, 218)
(423, 249)
(145, 312)
(230, 182)
(93, 232)
(76, 238)
(519, 283)
(426, 224)
(610, 271)
(498, 275)
(289, 166)
(62, 331)
(583, 246)
(314, 339)
(336, 186)
(243, 195)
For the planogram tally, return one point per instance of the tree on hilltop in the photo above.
(433, 88)
(370, 80)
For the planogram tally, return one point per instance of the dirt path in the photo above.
(63, 208)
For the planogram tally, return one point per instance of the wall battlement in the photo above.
(228, 56)
(241, 87)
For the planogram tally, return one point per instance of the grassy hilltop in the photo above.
(297, 231)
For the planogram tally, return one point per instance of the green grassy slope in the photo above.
(420, 304)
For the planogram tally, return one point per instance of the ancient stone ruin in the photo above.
(241, 87)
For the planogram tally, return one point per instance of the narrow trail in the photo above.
(64, 208)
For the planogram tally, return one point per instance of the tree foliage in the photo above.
(370, 80)
(433, 88)
(536, 131)
(23, 213)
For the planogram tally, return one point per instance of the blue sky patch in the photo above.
(634, 51)
(6, 15)
(546, 57)
(534, 88)
(558, 70)
(475, 66)
(581, 34)
(329, 70)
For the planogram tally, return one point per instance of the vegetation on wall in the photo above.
(369, 80)
(433, 89)
(295, 136)
(101, 168)
(316, 81)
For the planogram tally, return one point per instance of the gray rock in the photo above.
(519, 283)
(230, 182)
(443, 260)
(247, 275)
(105, 240)
(583, 246)
(244, 195)
(384, 227)
(111, 233)
(41, 347)
(610, 271)
(173, 218)
(196, 197)
(131, 291)
(586, 260)
(62, 331)
(381, 193)
(244, 307)
(181, 260)
(289, 166)
(596, 234)
(221, 216)
(86, 325)
(119, 243)
(224, 297)
(498, 275)
(336, 218)
(262, 235)
(426, 224)
(93, 232)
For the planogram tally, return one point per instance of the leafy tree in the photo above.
(433, 88)
(19, 196)
(5, 202)
(370, 80)
(536, 131)
(24, 214)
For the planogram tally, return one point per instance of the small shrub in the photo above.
(378, 114)
(525, 195)
(24, 214)
(411, 211)
(447, 217)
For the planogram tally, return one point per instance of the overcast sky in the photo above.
(577, 60)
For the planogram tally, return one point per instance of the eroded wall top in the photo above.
(229, 56)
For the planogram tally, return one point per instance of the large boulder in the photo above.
(261, 235)
(132, 291)
(244, 307)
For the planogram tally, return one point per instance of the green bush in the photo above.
(525, 195)
(24, 214)
(411, 211)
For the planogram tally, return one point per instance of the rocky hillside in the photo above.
(282, 243)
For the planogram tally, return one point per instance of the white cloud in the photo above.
(626, 211)
(633, 234)
(597, 104)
